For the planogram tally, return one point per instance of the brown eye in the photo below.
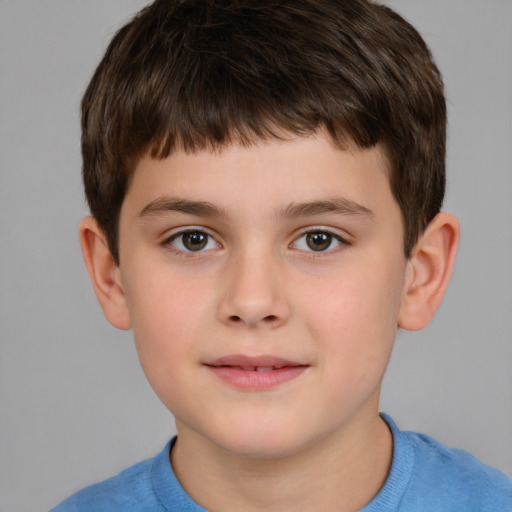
(318, 241)
(194, 240)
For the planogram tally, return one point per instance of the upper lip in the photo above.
(244, 361)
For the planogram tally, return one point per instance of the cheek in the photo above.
(164, 303)
(165, 318)
(354, 315)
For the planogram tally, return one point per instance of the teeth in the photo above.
(256, 368)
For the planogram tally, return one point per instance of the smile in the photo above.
(255, 374)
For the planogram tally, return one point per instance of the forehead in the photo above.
(265, 175)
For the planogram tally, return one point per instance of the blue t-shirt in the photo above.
(425, 476)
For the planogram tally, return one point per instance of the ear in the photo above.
(429, 271)
(104, 273)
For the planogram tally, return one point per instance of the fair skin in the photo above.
(264, 286)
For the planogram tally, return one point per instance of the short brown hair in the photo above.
(196, 74)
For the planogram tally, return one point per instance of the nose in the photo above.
(253, 292)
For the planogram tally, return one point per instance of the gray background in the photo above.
(74, 405)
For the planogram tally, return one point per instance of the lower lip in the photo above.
(255, 380)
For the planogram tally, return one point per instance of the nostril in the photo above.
(267, 319)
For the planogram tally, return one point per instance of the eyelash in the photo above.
(168, 242)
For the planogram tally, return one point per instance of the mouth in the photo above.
(255, 373)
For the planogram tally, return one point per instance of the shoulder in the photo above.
(130, 491)
(426, 475)
(451, 479)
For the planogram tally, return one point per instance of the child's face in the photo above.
(281, 254)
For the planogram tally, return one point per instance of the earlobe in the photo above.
(429, 271)
(104, 273)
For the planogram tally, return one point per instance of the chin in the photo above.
(263, 442)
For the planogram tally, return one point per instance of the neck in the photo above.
(341, 472)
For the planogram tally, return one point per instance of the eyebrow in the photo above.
(163, 205)
(339, 205)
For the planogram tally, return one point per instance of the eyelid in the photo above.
(336, 232)
(184, 228)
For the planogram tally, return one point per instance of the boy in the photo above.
(265, 180)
